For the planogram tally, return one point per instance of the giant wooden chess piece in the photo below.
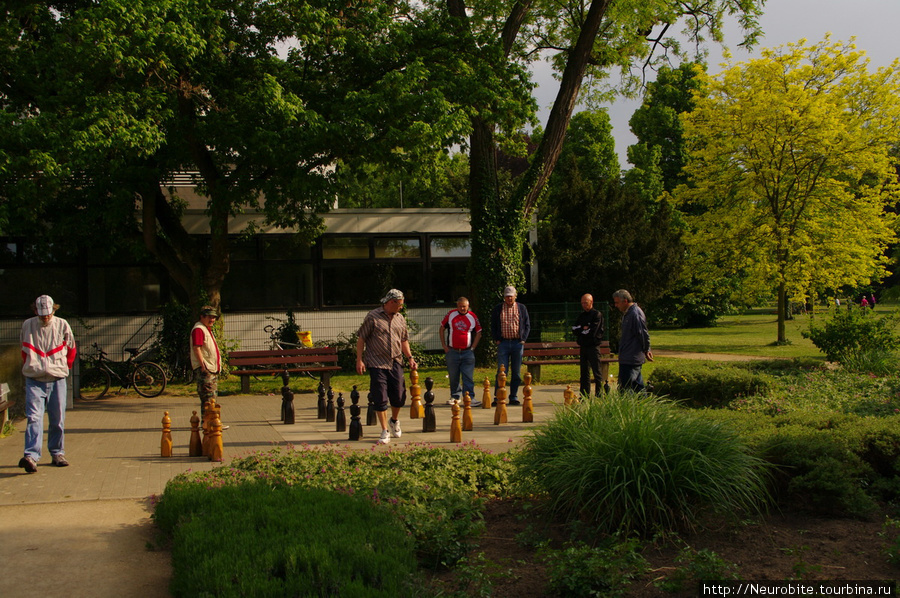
(415, 404)
(500, 412)
(486, 395)
(371, 418)
(455, 427)
(429, 421)
(165, 444)
(467, 424)
(329, 406)
(569, 395)
(356, 429)
(195, 448)
(527, 403)
(341, 417)
(287, 401)
(216, 449)
(208, 412)
(320, 404)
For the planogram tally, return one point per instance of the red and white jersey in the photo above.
(461, 328)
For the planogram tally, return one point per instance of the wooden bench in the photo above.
(5, 404)
(294, 361)
(562, 353)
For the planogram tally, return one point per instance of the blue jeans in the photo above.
(461, 362)
(630, 378)
(41, 396)
(509, 354)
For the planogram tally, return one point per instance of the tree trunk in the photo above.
(782, 312)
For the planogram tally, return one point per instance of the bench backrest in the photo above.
(283, 356)
(558, 349)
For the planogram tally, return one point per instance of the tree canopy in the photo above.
(791, 168)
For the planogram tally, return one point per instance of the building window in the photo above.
(450, 247)
(366, 283)
(345, 248)
(398, 248)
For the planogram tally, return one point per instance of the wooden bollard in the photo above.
(486, 395)
(216, 449)
(166, 442)
(527, 403)
(416, 410)
(455, 427)
(195, 448)
(467, 424)
(500, 416)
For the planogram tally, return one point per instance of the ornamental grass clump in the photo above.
(637, 464)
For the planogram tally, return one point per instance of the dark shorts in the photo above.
(387, 386)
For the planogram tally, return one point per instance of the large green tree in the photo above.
(790, 160)
(102, 102)
(585, 41)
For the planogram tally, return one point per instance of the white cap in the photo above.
(44, 305)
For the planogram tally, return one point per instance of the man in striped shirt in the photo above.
(383, 340)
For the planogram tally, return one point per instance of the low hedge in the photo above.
(713, 385)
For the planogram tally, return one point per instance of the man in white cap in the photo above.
(383, 340)
(510, 328)
(48, 353)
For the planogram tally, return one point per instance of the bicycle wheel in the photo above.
(93, 384)
(148, 379)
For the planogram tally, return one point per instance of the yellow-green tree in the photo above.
(790, 170)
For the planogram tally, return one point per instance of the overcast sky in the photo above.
(874, 23)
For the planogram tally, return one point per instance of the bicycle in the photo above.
(147, 378)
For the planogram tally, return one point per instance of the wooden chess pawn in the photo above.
(320, 403)
(329, 406)
(500, 415)
(356, 429)
(429, 420)
(527, 403)
(341, 418)
(166, 442)
(569, 395)
(486, 395)
(371, 418)
(216, 449)
(467, 424)
(455, 426)
(415, 405)
(287, 401)
(195, 448)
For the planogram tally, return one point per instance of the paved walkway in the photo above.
(114, 444)
(85, 530)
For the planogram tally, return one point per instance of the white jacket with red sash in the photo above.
(48, 352)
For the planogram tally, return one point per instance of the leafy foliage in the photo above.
(600, 571)
(707, 385)
(790, 171)
(642, 463)
(848, 334)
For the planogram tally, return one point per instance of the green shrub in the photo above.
(849, 333)
(630, 463)
(695, 566)
(890, 532)
(255, 540)
(580, 570)
(708, 385)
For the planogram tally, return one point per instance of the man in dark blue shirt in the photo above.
(634, 344)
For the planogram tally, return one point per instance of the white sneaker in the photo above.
(394, 427)
(451, 401)
(385, 437)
